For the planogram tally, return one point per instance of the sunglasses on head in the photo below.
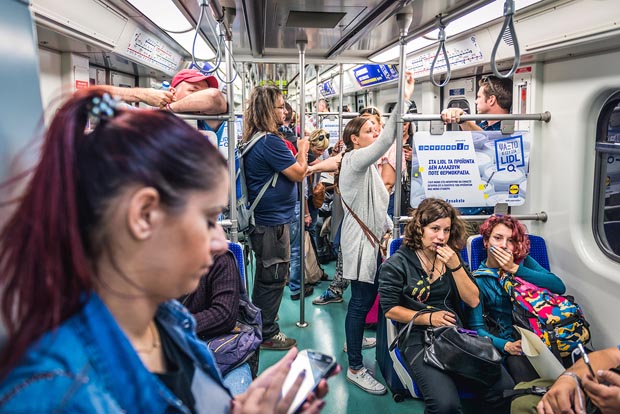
(322, 136)
(371, 111)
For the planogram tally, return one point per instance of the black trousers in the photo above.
(271, 245)
(440, 389)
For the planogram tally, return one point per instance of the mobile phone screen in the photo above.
(317, 366)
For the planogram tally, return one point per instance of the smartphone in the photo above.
(406, 146)
(317, 366)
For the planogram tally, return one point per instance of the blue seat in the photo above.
(237, 250)
(395, 245)
(538, 251)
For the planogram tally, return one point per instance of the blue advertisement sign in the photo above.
(368, 75)
(326, 88)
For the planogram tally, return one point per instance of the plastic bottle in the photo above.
(165, 85)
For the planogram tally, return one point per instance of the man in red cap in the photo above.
(198, 93)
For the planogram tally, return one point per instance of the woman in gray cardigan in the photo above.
(363, 194)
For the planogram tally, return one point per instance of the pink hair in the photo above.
(519, 234)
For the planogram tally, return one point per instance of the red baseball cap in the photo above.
(193, 76)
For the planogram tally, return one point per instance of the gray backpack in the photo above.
(245, 210)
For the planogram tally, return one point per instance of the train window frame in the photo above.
(607, 146)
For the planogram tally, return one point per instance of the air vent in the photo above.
(319, 20)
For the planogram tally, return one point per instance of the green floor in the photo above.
(325, 332)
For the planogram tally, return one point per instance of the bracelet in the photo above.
(456, 268)
(572, 374)
(461, 122)
(168, 107)
(430, 319)
(307, 215)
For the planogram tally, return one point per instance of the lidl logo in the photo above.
(513, 189)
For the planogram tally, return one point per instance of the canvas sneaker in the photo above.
(367, 343)
(327, 297)
(364, 379)
(278, 342)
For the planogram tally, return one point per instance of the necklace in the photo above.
(155, 344)
(426, 266)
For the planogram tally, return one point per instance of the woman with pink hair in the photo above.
(508, 247)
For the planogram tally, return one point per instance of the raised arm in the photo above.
(207, 102)
(150, 96)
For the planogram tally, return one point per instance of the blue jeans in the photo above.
(238, 380)
(362, 298)
(294, 282)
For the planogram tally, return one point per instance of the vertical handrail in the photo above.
(403, 20)
(232, 143)
(301, 45)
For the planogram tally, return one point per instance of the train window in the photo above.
(606, 218)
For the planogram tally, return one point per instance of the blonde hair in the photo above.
(317, 143)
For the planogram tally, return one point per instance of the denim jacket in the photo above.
(87, 365)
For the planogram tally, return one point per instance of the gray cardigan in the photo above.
(362, 188)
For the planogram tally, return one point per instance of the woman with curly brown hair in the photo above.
(427, 272)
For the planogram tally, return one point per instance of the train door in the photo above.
(460, 93)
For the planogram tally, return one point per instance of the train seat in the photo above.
(477, 252)
(237, 250)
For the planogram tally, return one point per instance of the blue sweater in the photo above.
(496, 302)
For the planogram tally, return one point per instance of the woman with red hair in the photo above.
(508, 247)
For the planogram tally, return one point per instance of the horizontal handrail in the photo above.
(542, 216)
(223, 117)
(544, 116)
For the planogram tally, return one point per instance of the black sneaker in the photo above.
(309, 290)
(278, 342)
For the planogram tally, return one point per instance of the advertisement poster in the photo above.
(470, 169)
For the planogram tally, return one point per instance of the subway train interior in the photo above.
(563, 179)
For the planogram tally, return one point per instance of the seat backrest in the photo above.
(396, 243)
(538, 251)
(237, 250)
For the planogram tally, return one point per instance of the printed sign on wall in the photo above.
(470, 169)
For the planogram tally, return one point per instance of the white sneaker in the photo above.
(367, 343)
(364, 379)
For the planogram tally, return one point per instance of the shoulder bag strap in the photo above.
(372, 238)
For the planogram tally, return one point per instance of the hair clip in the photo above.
(104, 107)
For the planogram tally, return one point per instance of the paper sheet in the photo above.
(541, 357)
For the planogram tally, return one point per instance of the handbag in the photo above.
(234, 348)
(456, 350)
(318, 195)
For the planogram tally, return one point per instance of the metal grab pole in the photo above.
(341, 93)
(318, 123)
(301, 45)
(403, 20)
(232, 143)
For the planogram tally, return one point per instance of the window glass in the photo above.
(607, 185)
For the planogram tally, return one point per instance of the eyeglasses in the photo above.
(322, 137)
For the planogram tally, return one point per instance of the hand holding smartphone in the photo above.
(316, 365)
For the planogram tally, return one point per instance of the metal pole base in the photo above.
(302, 324)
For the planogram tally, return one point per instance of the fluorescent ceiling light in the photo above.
(202, 50)
(167, 16)
(469, 21)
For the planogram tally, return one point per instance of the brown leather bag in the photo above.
(318, 195)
